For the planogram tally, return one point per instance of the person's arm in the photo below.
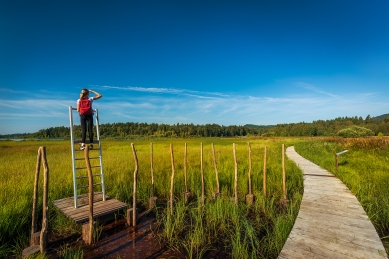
(98, 96)
(78, 106)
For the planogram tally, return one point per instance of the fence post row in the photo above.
(249, 196)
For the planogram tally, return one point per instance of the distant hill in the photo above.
(381, 117)
(252, 126)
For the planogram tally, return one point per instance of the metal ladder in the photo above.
(80, 173)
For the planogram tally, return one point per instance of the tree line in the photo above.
(379, 125)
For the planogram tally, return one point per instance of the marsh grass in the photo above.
(68, 252)
(364, 169)
(259, 230)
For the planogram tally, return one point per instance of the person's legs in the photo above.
(90, 128)
(83, 127)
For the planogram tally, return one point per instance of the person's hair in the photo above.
(84, 92)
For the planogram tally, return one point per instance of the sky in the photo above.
(224, 62)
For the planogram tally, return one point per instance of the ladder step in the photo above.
(82, 177)
(95, 157)
(95, 166)
(79, 141)
(78, 150)
(87, 186)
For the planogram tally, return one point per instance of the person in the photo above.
(84, 108)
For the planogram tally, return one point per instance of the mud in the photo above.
(119, 241)
(128, 243)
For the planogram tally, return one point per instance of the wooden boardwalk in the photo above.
(102, 210)
(331, 222)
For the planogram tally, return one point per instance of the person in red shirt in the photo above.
(84, 108)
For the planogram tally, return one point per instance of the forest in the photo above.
(130, 130)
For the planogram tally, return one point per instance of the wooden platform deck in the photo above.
(331, 222)
(102, 210)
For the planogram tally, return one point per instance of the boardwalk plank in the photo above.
(338, 236)
(303, 250)
(81, 214)
(331, 222)
(327, 208)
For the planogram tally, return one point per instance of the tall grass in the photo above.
(364, 169)
(259, 230)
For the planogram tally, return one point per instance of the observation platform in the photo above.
(102, 210)
(331, 222)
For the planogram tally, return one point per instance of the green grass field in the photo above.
(266, 223)
(245, 232)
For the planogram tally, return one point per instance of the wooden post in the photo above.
(236, 176)
(33, 240)
(249, 174)
(172, 181)
(152, 199)
(134, 212)
(152, 170)
(284, 201)
(249, 196)
(264, 171)
(187, 194)
(202, 174)
(337, 158)
(216, 172)
(185, 175)
(283, 171)
(45, 205)
(88, 229)
(38, 242)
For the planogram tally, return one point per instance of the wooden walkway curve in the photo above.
(331, 222)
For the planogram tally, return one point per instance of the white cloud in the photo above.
(174, 91)
(315, 89)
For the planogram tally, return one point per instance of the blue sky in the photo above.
(224, 62)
